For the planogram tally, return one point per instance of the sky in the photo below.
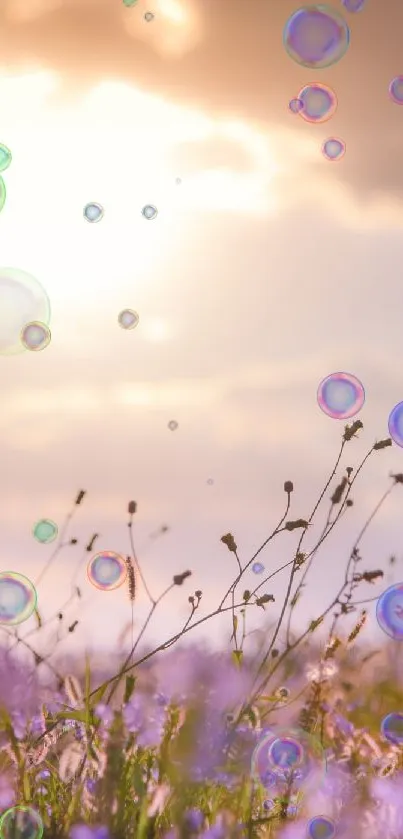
(266, 269)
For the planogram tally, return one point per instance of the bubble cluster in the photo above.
(287, 756)
(21, 822)
(107, 570)
(35, 336)
(149, 212)
(354, 5)
(173, 425)
(392, 728)
(321, 827)
(316, 36)
(128, 319)
(333, 148)
(319, 102)
(395, 424)
(389, 611)
(93, 212)
(45, 531)
(5, 157)
(396, 90)
(17, 598)
(341, 395)
(295, 105)
(3, 194)
(22, 301)
(257, 567)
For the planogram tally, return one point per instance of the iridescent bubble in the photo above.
(316, 36)
(341, 395)
(321, 827)
(149, 212)
(389, 611)
(93, 212)
(319, 102)
(5, 157)
(128, 319)
(392, 728)
(354, 5)
(396, 90)
(17, 598)
(45, 531)
(148, 17)
(268, 804)
(3, 194)
(172, 425)
(295, 106)
(333, 148)
(107, 570)
(257, 567)
(395, 424)
(21, 823)
(288, 755)
(22, 301)
(35, 336)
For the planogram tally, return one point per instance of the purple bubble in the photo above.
(319, 102)
(354, 5)
(389, 611)
(341, 395)
(321, 827)
(333, 149)
(396, 90)
(316, 36)
(392, 728)
(295, 106)
(395, 424)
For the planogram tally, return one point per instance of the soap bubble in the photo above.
(45, 531)
(149, 212)
(35, 336)
(107, 570)
(17, 598)
(392, 728)
(22, 301)
(389, 611)
(172, 425)
(5, 157)
(268, 804)
(148, 17)
(128, 319)
(321, 827)
(295, 105)
(396, 90)
(287, 756)
(333, 148)
(319, 102)
(257, 567)
(354, 5)
(316, 36)
(395, 424)
(21, 823)
(3, 194)
(341, 395)
(93, 212)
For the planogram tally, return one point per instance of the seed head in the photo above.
(229, 541)
(131, 508)
(288, 487)
(179, 579)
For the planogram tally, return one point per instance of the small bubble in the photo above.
(295, 105)
(35, 336)
(268, 804)
(149, 212)
(395, 424)
(22, 301)
(128, 319)
(286, 753)
(21, 823)
(321, 827)
(353, 5)
(257, 567)
(340, 395)
(17, 599)
(172, 425)
(396, 90)
(319, 103)
(149, 17)
(333, 148)
(5, 157)
(316, 36)
(210, 481)
(93, 212)
(45, 531)
(392, 728)
(107, 570)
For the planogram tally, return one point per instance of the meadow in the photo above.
(180, 741)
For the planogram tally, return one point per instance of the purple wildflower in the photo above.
(145, 718)
(105, 714)
(193, 819)
(82, 831)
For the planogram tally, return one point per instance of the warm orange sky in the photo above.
(266, 269)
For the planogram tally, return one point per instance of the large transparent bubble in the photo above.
(22, 301)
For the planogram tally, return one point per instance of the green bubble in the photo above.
(3, 194)
(129, 2)
(21, 822)
(45, 531)
(22, 301)
(5, 157)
